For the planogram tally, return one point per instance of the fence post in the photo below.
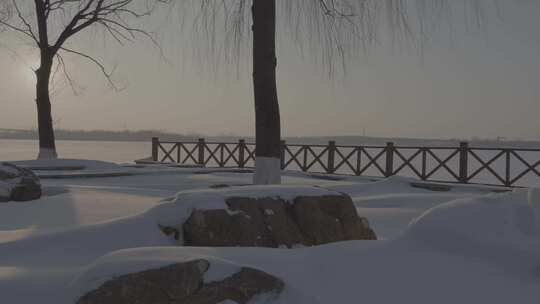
(331, 156)
(283, 145)
(463, 162)
(424, 163)
(202, 146)
(507, 178)
(241, 153)
(389, 159)
(155, 144)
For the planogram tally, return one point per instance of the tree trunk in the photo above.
(267, 119)
(47, 147)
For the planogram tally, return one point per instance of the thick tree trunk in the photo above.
(267, 119)
(47, 147)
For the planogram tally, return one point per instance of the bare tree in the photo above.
(337, 29)
(267, 118)
(49, 24)
(4, 12)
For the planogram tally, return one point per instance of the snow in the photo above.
(466, 245)
(69, 208)
(534, 197)
(499, 229)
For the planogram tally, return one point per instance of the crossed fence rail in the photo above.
(508, 167)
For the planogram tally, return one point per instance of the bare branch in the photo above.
(108, 75)
(51, 23)
(61, 65)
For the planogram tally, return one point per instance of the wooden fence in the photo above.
(464, 164)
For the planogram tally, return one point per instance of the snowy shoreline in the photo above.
(464, 245)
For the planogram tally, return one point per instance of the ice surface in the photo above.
(44, 164)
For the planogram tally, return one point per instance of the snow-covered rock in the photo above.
(174, 211)
(263, 216)
(181, 279)
(18, 184)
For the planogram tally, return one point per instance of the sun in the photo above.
(29, 75)
(27, 71)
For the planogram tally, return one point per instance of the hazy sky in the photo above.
(482, 83)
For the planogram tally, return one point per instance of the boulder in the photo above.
(18, 183)
(219, 228)
(241, 287)
(276, 222)
(328, 219)
(274, 218)
(183, 283)
(151, 286)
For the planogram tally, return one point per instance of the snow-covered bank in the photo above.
(502, 229)
(466, 245)
(347, 272)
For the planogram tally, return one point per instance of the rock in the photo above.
(239, 288)
(183, 283)
(328, 219)
(27, 190)
(5, 194)
(162, 285)
(218, 186)
(18, 184)
(274, 218)
(274, 222)
(218, 228)
(170, 231)
(431, 186)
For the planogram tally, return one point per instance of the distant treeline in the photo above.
(146, 135)
(403, 141)
(99, 135)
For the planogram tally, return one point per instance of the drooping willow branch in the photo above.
(331, 30)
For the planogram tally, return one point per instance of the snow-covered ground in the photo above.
(466, 245)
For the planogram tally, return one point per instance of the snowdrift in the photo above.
(480, 249)
(503, 229)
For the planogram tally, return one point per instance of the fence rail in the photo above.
(508, 167)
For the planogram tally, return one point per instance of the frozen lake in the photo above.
(113, 151)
